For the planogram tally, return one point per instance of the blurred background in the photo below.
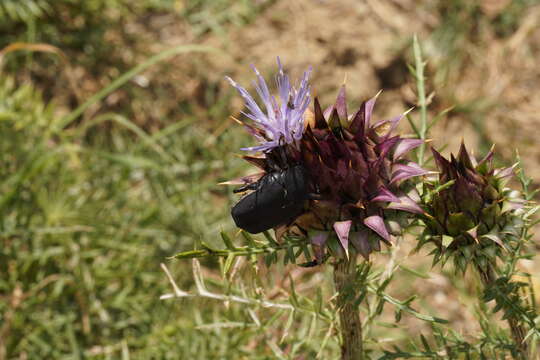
(92, 201)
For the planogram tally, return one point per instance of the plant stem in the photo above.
(349, 314)
(422, 102)
(518, 332)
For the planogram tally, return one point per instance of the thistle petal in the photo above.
(341, 103)
(279, 123)
(319, 237)
(442, 164)
(301, 101)
(504, 173)
(375, 243)
(512, 205)
(473, 233)
(358, 122)
(386, 127)
(320, 122)
(386, 195)
(376, 223)
(333, 119)
(342, 229)
(267, 146)
(496, 238)
(404, 146)
(251, 104)
(406, 204)
(318, 241)
(488, 158)
(403, 172)
(370, 104)
(384, 147)
(326, 113)
(464, 157)
(360, 241)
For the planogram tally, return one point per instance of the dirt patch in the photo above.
(493, 82)
(494, 89)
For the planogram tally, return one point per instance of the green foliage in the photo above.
(53, 21)
(369, 289)
(31, 10)
(23, 10)
(205, 15)
(86, 215)
(449, 344)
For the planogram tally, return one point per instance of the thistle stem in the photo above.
(349, 314)
(517, 330)
(422, 101)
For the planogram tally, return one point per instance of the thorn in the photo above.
(235, 119)
(406, 112)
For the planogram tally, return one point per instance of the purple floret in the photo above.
(281, 123)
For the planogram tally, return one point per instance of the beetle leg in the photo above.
(314, 196)
(309, 264)
(271, 161)
(315, 262)
(251, 186)
(302, 230)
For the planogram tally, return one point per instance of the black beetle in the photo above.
(277, 199)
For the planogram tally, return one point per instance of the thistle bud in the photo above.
(470, 204)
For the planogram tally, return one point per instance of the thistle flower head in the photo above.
(279, 121)
(359, 171)
(469, 209)
(355, 191)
